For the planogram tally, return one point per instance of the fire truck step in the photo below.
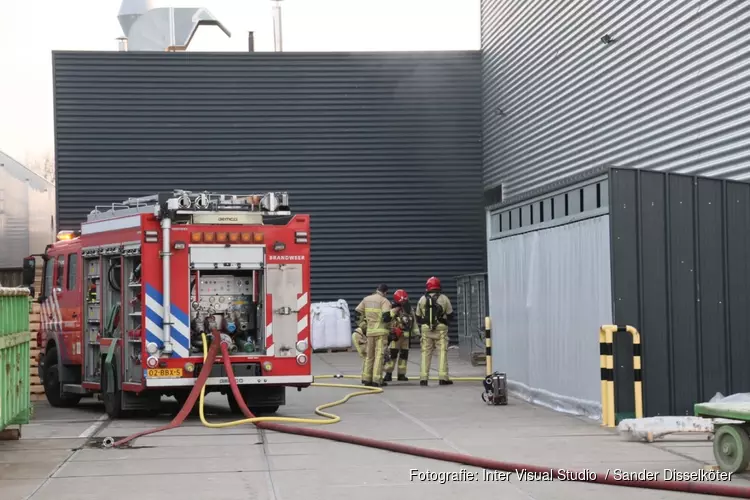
(75, 389)
(330, 351)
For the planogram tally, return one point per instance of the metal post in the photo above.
(637, 374)
(488, 344)
(277, 44)
(606, 363)
(250, 41)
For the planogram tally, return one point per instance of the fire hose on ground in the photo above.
(274, 424)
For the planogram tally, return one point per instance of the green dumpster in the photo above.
(15, 365)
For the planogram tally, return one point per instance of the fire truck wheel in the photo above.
(182, 398)
(52, 386)
(112, 401)
(264, 410)
(233, 406)
(256, 410)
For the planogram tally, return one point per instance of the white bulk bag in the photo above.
(331, 325)
(343, 326)
(317, 327)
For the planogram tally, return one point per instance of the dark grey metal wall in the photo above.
(382, 149)
(668, 91)
(681, 275)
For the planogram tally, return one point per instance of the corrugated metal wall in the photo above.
(669, 93)
(681, 275)
(549, 294)
(383, 149)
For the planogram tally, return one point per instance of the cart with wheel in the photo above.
(731, 433)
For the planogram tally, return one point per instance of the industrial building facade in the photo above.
(27, 217)
(615, 146)
(382, 149)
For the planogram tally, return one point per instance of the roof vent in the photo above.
(149, 26)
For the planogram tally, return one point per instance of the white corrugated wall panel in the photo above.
(42, 222)
(14, 220)
(27, 212)
(670, 93)
(550, 291)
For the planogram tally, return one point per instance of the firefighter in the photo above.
(374, 315)
(434, 313)
(403, 325)
(359, 341)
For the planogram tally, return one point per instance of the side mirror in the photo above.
(29, 273)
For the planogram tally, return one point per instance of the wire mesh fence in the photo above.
(472, 306)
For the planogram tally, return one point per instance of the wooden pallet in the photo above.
(478, 359)
(36, 387)
(35, 323)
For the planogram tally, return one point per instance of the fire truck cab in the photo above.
(127, 300)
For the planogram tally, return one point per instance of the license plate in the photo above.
(164, 372)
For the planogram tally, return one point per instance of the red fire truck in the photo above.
(126, 300)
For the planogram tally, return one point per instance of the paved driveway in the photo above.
(58, 457)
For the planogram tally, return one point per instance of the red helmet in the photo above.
(400, 297)
(433, 284)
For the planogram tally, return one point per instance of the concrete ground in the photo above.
(58, 459)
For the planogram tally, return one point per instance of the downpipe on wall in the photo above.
(484, 463)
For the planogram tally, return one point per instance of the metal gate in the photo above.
(471, 309)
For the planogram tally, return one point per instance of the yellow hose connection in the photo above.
(328, 418)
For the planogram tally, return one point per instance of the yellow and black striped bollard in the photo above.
(488, 344)
(606, 364)
(637, 373)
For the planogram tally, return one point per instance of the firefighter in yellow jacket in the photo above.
(359, 341)
(434, 313)
(374, 317)
(403, 325)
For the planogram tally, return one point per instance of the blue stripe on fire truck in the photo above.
(155, 324)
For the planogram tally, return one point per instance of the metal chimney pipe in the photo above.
(277, 45)
(250, 41)
(122, 44)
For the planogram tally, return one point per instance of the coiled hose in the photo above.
(269, 423)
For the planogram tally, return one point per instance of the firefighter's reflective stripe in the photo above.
(154, 324)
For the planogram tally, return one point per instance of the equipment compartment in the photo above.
(231, 303)
(133, 344)
(92, 292)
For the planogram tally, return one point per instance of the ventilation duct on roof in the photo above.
(149, 27)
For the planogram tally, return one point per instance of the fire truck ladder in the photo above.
(182, 202)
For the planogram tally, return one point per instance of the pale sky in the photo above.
(31, 29)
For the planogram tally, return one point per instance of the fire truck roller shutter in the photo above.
(155, 319)
(213, 257)
(284, 285)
